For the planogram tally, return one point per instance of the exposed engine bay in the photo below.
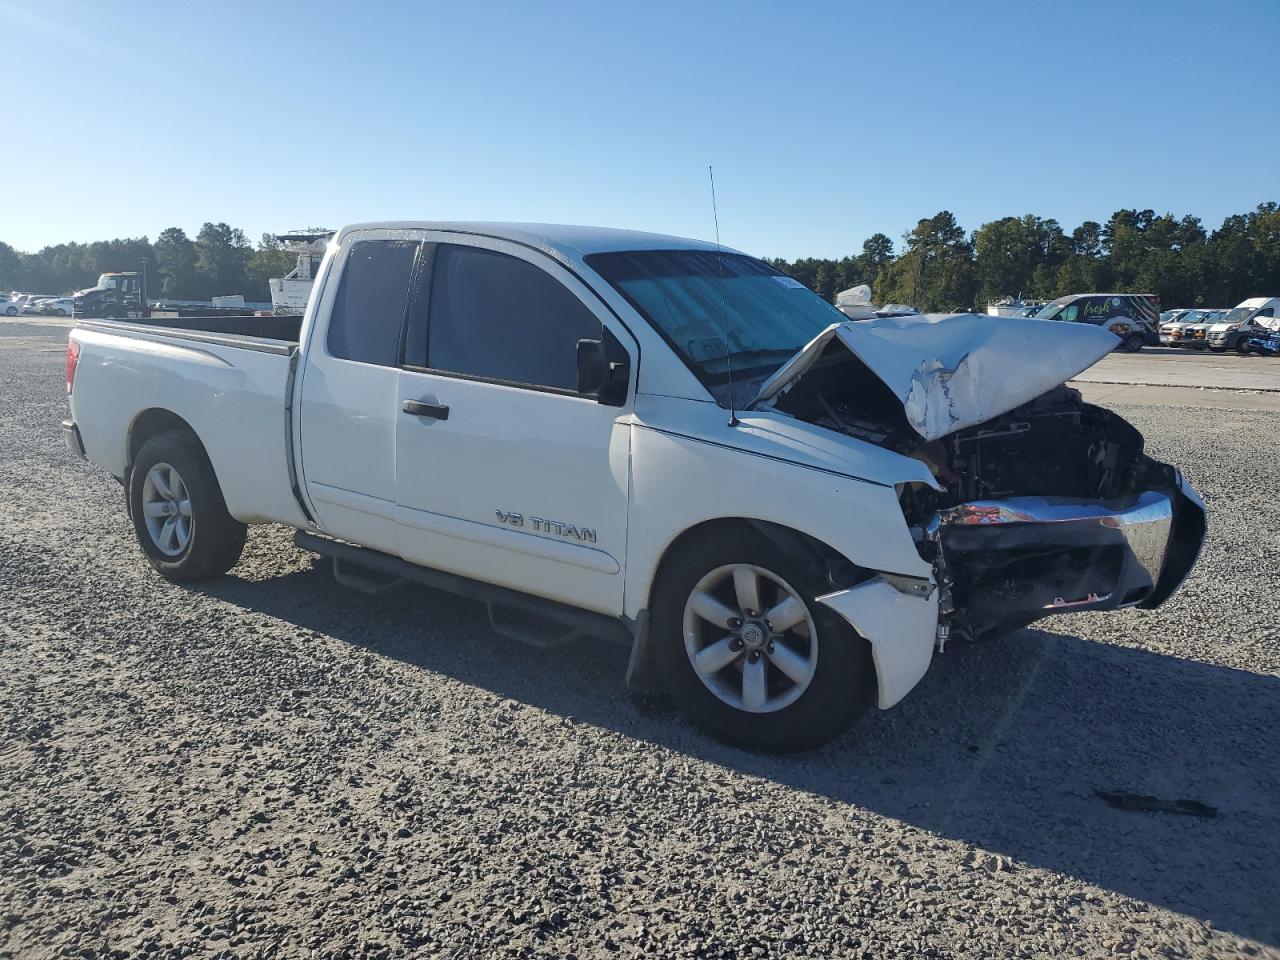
(1055, 446)
(1049, 507)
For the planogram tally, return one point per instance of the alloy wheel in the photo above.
(750, 638)
(166, 509)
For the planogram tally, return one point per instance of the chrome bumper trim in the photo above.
(1027, 557)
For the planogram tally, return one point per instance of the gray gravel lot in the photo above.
(273, 766)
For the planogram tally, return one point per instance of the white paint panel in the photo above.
(232, 398)
(900, 628)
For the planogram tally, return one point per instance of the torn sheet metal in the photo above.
(952, 371)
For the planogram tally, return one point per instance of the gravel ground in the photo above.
(272, 766)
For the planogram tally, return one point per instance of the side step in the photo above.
(363, 579)
(532, 620)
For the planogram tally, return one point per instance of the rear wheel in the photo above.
(748, 654)
(178, 513)
(1133, 343)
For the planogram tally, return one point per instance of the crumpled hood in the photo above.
(952, 371)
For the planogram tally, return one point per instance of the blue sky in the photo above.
(826, 122)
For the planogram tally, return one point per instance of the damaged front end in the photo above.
(1052, 508)
(1041, 503)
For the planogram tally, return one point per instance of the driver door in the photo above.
(504, 473)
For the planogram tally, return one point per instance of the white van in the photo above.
(1250, 317)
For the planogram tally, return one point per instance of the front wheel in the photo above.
(1242, 346)
(179, 516)
(749, 655)
(10, 311)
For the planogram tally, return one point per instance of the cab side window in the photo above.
(368, 311)
(497, 317)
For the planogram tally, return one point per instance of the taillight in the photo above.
(73, 359)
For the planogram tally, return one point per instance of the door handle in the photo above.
(433, 411)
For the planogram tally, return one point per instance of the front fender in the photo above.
(679, 483)
(900, 627)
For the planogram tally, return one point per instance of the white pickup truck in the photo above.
(637, 437)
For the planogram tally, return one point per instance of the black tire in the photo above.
(1242, 346)
(1134, 343)
(216, 538)
(10, 311)
(843, 684)
(1218, 349)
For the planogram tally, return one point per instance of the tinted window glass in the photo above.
(502, 318)
(368, 311)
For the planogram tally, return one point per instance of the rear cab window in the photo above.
(368, 311)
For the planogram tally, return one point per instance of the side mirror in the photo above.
(600, 377)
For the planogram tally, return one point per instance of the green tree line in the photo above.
(220, 261)
(941, 267)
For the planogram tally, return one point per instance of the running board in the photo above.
(531, 620)
(373, 582)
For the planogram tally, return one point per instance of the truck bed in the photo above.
(232, 331)
(226, 378)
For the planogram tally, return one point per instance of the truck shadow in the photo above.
(1002, 746)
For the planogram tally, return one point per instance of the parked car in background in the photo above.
(1265, 343)
(1195, 334)
(1171, 331)
(9, 306)
(26, 302)
(1254, 316)
(56, 306)
(1130, 316)
(1169, 316)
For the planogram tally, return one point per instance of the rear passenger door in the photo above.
(350, 384)
(503, 471)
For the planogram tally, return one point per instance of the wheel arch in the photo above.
(800, 547)
(794, 544)
(153, 422)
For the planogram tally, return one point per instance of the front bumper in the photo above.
(1025, 558)
(71, 437)
(1010, 562)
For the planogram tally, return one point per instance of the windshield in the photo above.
(1049, 311)
(719, 309)
(1237, 315)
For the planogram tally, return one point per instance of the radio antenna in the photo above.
(724, 306)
